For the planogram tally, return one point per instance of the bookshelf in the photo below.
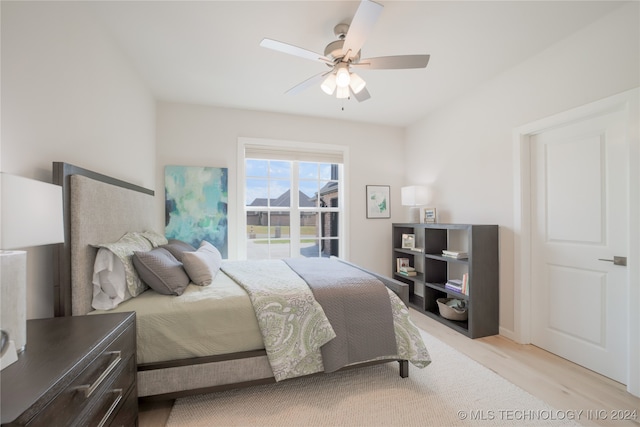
(481, 244)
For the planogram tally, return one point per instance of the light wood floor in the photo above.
(562, 384)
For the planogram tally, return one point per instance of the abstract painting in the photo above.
(196, 205)
(378, 201)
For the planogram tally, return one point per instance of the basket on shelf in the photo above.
(453, 308)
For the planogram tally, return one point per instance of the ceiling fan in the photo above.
(343, 54)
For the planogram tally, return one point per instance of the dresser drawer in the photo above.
(114, 364)
(110, 398)
(128, 414)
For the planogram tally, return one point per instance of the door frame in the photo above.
(627, 103)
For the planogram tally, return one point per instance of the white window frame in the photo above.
(292, 150)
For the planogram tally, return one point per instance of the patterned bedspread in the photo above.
(292, 323)
(294, 326)
(357, 306)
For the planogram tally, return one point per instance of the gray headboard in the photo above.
(97, 209)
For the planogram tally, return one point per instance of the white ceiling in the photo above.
(207, 52)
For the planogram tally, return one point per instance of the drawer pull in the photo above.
(112, 408)
(90, 388)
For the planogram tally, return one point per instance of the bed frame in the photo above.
(108, 208)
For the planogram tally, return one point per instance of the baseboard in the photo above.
(507, 333)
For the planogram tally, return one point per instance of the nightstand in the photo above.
(78, 370)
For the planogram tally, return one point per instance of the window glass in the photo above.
(256, 167)
(308, 194)
(292, 209)
(309, 225)
(326, 171)
(257, 192)
(279, 169)
(280, 193)
(308, 170)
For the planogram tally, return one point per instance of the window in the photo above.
(292, 203)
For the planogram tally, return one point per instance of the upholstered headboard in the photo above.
(97, 209)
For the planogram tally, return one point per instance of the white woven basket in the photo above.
(451, 313)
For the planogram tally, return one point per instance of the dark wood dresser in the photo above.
(78, 370)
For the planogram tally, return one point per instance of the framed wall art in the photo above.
(378, 205)
(196, 205)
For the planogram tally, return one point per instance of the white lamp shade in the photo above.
(357, 83)
(329, 84)
(414, 195)
(342, 76)
(30, 213)
(342, 92)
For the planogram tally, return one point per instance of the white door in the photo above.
(579, 200)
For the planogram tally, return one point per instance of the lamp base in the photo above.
(414, 214)
(9, 356)
(13, 296)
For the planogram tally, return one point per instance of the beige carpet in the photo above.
(453, 391)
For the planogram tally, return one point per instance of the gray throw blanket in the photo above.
(357, 306)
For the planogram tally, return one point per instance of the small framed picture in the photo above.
(378, 201)
(428, 215)
(408, 241)
(402, 263)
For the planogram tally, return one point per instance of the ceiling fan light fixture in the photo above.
(357, 83)
(328, 86)
(342, 76)
(342, 92)
(345, 52)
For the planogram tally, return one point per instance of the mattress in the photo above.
(203, 321)
(220, 319)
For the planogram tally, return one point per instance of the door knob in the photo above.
(617, 260)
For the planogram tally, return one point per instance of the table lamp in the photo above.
(30, 215)
(414, 196)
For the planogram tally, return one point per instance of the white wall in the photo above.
(206, 136)
(465, 150)
(68, 94)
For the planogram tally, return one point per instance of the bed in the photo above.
(198, 348)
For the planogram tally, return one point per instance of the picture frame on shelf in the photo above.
(378, 201)
(402, 263)
(408, 241)
(428, 216)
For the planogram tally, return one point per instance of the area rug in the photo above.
(453, 391)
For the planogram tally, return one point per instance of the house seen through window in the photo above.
(292, 208)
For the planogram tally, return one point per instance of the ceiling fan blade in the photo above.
(311, 81)
(361, 26)
(393, 62)
(294, 50)
(361, 96)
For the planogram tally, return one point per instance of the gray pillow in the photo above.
(203, 264)
(161, 271)
(178, 247)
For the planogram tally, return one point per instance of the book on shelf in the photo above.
(454, 254)
(454, 285)
(408, 273)
(465, 283)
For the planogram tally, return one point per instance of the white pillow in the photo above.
(109, 281)
(124, 249)
(203, 264)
